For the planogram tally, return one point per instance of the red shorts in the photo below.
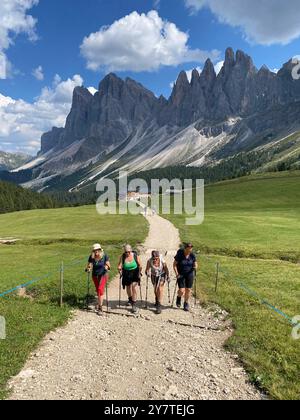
(100, 283)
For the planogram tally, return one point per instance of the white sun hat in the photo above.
(97, 247)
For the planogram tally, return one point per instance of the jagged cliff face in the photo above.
(106, 118)
(125, 126)
(120, 106)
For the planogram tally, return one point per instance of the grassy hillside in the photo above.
(252, 228)
(255, 216)
(49, 237)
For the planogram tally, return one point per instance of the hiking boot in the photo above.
(178, 302)
(186, 307)
(135, 309)
(158, 309)
(99, 310)
(129, 303)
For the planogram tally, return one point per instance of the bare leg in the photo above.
(181, 292)
(129, 291)
(134, 291)
(160, 293)
(188, 293)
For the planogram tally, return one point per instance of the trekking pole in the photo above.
(106, 286)
(141, 292)
(147, 288)
(169, 291)
(88, 290)
(120, 290)
(195, 288)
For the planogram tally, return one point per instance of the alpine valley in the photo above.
(212, 119)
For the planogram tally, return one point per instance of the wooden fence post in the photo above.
(62, 285)
(217, 276)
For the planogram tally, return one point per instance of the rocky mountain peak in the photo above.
(181, 89)
(110, 85)
(208, 75)
(229, 62)
(195, 77)
(122, 108)
(81, 96)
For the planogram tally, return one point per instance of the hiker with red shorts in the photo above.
(99, 264)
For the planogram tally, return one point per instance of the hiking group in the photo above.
(157, 271)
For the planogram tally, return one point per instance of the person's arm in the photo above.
(148, 268)
(107, 264)
(166, 270)
(89, 266)
(140, 265)
(175, 266)
(120, 266)
(195, 264)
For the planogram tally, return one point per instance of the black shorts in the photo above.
(130, 277)
(186, 281)
(155, 280)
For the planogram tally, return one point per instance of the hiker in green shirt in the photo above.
(130, 268)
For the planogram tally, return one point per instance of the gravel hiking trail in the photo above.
(119, 356)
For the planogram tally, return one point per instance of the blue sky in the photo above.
(49, 48)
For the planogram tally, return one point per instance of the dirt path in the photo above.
(174, 356)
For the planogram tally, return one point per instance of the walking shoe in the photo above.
(158, 309)
(99, 310)
(135, 309)
(178, 302)
(186, 307)
(129, 303)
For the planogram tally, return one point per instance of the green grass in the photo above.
(49, 237)
(256, 216)
(252, 228)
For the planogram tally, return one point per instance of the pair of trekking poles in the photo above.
(147, 290)
(120, 290)
(195, 290)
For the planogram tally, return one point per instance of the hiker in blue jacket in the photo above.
(185, 265)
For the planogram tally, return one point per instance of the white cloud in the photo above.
(263, 22)
(38, 73)
(14, 20)
(140, 42)
(23, 123)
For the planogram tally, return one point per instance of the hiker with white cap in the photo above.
(99, 264)
(130, 267)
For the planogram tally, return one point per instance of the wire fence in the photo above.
(37, 280)
(219, 269)
(241, 284)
